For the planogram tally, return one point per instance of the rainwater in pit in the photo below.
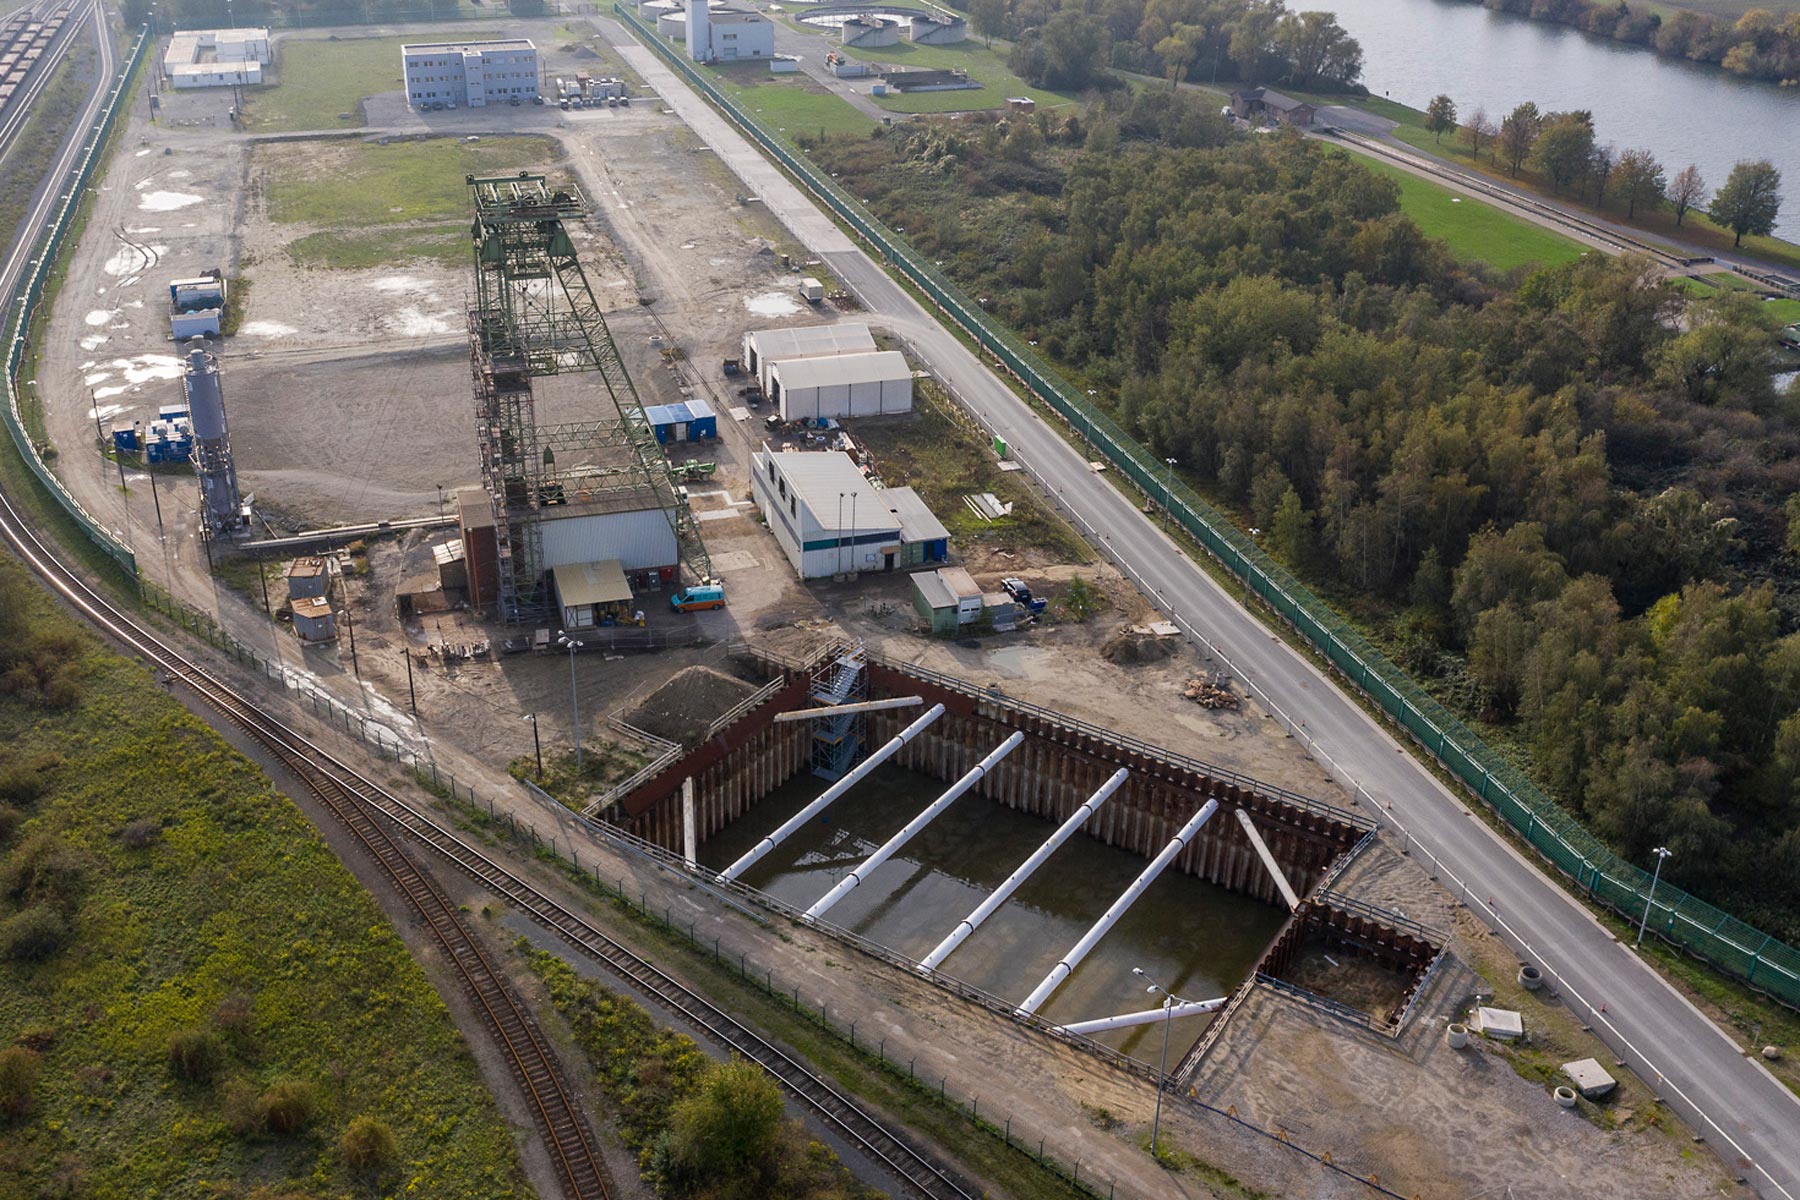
(1193, 937)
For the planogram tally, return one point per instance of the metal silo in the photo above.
(220, 505)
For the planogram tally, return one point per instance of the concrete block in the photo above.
(1501, 1024)
(1589, 1077)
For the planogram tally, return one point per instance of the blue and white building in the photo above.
(469, 74)
(830, 519)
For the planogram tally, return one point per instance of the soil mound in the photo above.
(1128, 649)
(681, 709)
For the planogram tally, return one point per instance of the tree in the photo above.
(1291, 531)
(1064, 55)
(1318, 49)
(1750, 199)
(730, 1122)
(1687, 190)
(1564, 149)
(1601, 165)
(1640, 179)
(1177, 53)
(1440, 116)
(1518, 133)
(1479, 129)
(990, 19)
(368, 1145)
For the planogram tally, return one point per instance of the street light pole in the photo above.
(1169, 492)
(537, 747)
(1162, 1071)
(1661, 853)
(574, 696)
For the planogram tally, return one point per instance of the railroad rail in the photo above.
(375, 816)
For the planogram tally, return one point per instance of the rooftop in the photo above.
(592, 583)
(805, 341)
(635, 497)
(671, 414)
(917, 522)
(467, 47)
(961, 584)
(842, 370)
(307, 568)
(820, 476)
(732, 16)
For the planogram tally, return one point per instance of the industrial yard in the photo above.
(511, 497)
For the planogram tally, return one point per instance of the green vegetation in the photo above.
(1475, 231)
(319, 78)
(793, 104)
(1751, 42)
(700, 1128)
(229, 1000)
(373, 205)
(945, 456)
(1513, 485)
(603, 764)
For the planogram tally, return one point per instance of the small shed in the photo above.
(592, 594)
(1589, 1077)
(310, 578)
(1021, 104)
(962, 585)
(935, 602)
(452, 566)
(314, 622)
(688, 421)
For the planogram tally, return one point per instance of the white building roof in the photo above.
(467, 47)
(580, 584)
(917, 522)
(843, 370)
(960, 583)
(818, 476)
(933, 590)
(807, 341)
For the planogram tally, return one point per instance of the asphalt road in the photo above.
(1747, 1115)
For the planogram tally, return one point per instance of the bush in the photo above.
(238, 1103)
(196, 1054)
(20, 784)
(287, 1107)
(18, 1081)
(33, 935)
(369, 1145)
(42, 868)
(10, 820)
(728, 1127)
(234, 1013)
(142, 833)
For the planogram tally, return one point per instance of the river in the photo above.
(1682, 112)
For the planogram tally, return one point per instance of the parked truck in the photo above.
(811, 290)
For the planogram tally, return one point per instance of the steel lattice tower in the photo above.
(535, 314)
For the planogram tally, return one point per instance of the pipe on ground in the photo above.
(1110, 917)
(985, 909)
(831, 794)
(1148, 1016)
(892, 846)
(1268, 860)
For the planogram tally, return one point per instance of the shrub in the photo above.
(238, 1103)
(196, 1054)
(234, 1013)
(20, 784)
(10, 820)
(33, 935)
(18, 1081)
(142, 833)
(728, 1126)
(369, 1145)
(287, 1107)
(42, 868)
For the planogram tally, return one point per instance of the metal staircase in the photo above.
(838, 740)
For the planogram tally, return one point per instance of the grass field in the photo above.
(793, 103)
(373, 204)
(1654, 224)
(197, 900)
(1473, 230)
(316, 80)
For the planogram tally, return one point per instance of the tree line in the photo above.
(1069, 45)
(1758, 45)
(1563, 148)
(1559, 498)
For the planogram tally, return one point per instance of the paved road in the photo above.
(1742, 1110)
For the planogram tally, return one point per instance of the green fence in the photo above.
(1689, 923)
(22, 305)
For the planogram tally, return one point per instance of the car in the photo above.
(565, 106)
(624, 101)
(515, 102)
(538, 100)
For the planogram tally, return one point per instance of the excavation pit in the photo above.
(1203, 927)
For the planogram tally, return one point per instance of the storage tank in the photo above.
(200, 383)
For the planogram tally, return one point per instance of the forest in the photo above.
(1564, 500)
(1758, 45)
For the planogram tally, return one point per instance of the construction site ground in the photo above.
(339, 414)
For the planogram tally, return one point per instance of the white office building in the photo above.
(721, 34)
(470, 74)
(829, 519)
(198, 58)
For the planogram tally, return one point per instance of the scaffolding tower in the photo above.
(838, 739)
(536, 315)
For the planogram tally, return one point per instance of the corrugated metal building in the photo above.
(849, 385)
(481, 550)
(314, 621)
(629, 524)
(310, 578)
(765, 347)
(689, 421)
(831, 520)
(591, 594)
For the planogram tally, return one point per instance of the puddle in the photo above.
(99, 316)
(102, 393)
(96, 379)
(266, 329)
(167, 201)
(410, 322)
(179, 173)
(145, 229)
(106, 412)
(93, 341)
(772, 304)
(687, 245)
(142, 152)
(146, 367)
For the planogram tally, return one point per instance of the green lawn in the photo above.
(447, 245)
(1473, 230)
(793, 103)
(196, 899)
(316, 79)
(1782, 312)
